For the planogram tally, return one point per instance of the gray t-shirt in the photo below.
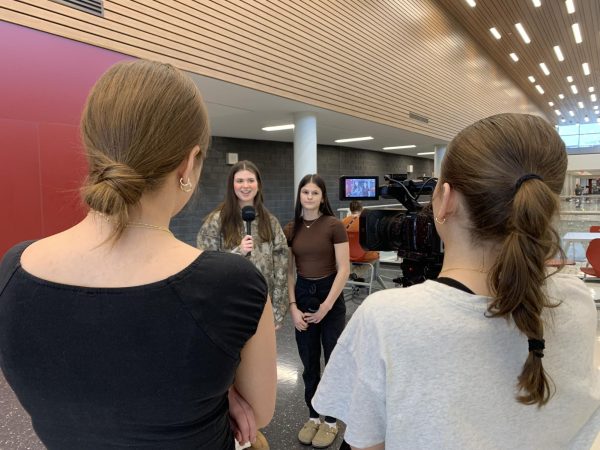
(423, 368)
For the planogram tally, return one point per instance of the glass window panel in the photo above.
(571, 141)
(568, 130)
(589, 128)
(589, 140)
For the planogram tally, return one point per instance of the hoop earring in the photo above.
(441, 222)
(185, 187)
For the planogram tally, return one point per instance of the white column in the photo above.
(305, 146)
(569, 185)
(440, 151)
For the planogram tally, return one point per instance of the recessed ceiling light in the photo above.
(593, 97)
(570, 6)
(363, 138)
(586, 68)
(537, 3)
(289, 126)
(571, 113)
(551, 103)
(471, 3)
(561, 96)
(591, 89)
(580, 104)
(531, 79)
(562, 119)
(586, 118)
(574, 89)
(514, 57)
(495, 33)
(577, 33)
(558, 53)
(569, 79)
(539, 88)
(596, 107)
(544, 68)
(557, 112)
(398, 147)
(523, 33)
(426, 153)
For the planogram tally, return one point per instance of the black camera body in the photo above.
(409, 232)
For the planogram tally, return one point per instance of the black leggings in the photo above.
(344, 446)
(325, 333)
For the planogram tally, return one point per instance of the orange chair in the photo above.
(594, 228)
(359, 257)
(593, 256)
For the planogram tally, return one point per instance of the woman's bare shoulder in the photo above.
(80, 258)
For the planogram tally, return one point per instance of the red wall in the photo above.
(44, 82)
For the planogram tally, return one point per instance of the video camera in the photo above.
(411, 233)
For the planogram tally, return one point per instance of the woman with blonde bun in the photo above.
(116, 334)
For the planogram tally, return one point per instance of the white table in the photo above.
(575, 237)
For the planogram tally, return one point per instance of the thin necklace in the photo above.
(480, 270)
(312, 222)
(471, 269)
(148, 226)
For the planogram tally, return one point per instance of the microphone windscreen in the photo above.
(248, 213)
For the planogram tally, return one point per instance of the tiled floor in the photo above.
(291, 412)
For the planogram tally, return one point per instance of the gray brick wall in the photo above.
(275, 161)
(333, 162)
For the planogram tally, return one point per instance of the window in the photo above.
(578, 136)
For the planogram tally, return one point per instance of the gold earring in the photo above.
(441, 222)
(185, 187)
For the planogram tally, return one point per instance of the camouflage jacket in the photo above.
(271, 258)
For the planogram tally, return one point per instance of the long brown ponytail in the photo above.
(510, 169)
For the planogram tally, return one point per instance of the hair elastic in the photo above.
(527, 176)
(537, 346)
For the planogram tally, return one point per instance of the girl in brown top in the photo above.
(319, 255)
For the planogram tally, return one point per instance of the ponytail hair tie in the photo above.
(527, 176)
(537, 346)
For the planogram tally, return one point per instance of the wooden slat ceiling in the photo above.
(547, 26)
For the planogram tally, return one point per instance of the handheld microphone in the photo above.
(248, 215)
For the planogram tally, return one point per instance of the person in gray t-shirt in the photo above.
(498, 352)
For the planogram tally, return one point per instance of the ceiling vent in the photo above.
(418, 117)
(95, 7)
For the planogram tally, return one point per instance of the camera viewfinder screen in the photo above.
(359, 188)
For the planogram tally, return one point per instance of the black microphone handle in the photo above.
(249, 232)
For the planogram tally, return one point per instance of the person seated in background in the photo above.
(351, 222)
(114, 333)
(496, 353)
(357, 253)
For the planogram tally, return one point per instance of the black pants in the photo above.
(325, 333)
